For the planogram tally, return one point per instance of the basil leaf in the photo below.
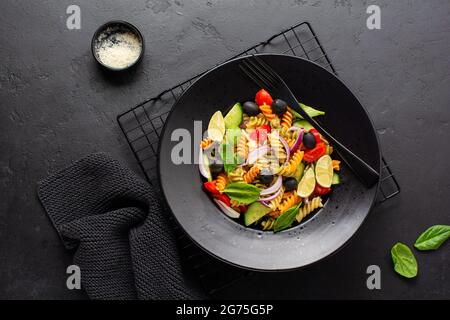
(405, 263)
(433, 237)
(309, 110)
(241, 192)
(286, 219)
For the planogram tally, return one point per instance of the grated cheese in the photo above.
(118, 50)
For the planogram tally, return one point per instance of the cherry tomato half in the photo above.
(265, 127)
(241, 208)
(320, 191)
(316, 135)
(211, 187)
(314, 154)
(263, 97)
(224, 198)
(260, 133)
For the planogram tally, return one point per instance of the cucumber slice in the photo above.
(336, 179)
(255, 212)
(234, 117)
(303, 124)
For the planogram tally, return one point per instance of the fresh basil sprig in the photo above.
(405, 263)
(241, 192)
(286, 219)
(309, 110)
(433, 237)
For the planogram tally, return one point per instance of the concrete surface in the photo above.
(57, 105)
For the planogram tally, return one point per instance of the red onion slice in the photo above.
(274, 188)
(298, 141)
(265, 204)
(294, 129)
(258, 152)
(227, 210)
(286, 146)
(202, 167)
(270, 198)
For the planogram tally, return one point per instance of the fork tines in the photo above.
(257, 70)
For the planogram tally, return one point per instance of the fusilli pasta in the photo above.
(251, 174)
(221, 181)
(291, 166)
(237, 175)
(268, 163)
(290, 142)
(309, 207)
(205, 143)
(256, 121)
(252, 145)
(267, 224)
(278, 150)
(263, 163)
(283, 132)
(234, 203)
(273, 204)
(336, 165)
(286, 134)
(259, 185)
(267, 112)
(292, 200)
(286, 121)
(274, 214)
(242, 147)
(275, 123)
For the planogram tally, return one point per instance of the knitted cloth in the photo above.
(123, 239)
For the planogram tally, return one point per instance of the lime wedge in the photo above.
(307, 184)
(216, 127)
(324, 171)
(234, 117)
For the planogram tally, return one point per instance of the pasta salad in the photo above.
(266, 166)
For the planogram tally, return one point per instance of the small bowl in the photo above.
(107, 33)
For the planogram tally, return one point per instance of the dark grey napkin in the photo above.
(124, 242)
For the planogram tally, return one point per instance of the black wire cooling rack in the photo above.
(143, 123)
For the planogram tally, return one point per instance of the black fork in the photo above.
(265, 77)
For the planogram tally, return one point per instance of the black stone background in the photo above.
(57, 106)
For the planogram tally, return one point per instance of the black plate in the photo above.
(316, 238)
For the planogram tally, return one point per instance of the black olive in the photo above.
(290, 184)
(250, 108)
(266, 177)
(309, 140)
(279, 106)
(216, 168)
